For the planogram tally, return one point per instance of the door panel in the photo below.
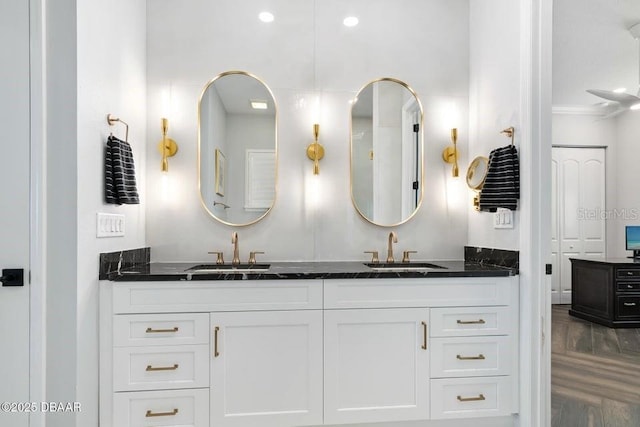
(578, 215)
(555, 238)
(14, 205)
(266, 369)
(376, 365)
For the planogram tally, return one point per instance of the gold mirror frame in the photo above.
(275, 147)
(421, 151)
(471, 171)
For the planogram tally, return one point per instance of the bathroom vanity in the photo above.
(306, 344)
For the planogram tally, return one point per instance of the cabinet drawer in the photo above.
(423, 292)
(220, 295)
(628, 306)
(470, 357)
(184, 408)
(472, 397)
(628, 286)
(151, 368)
(470, 321)
(628, 272)
(160, 329)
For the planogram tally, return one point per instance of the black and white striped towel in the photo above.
(501, 187)
(119, 173)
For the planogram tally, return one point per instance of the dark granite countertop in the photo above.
(305, 270)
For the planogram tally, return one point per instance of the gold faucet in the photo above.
(392, 239)
(236, 252)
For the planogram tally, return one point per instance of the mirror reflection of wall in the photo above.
(237, 148)
(386, 149)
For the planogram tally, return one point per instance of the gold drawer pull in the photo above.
(424, 335)
(478, 357)
(471, 322)
(163, 368)
(471, 399)
(216, 353)
(160, 331)
(162, 414)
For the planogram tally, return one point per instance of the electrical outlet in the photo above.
(109, 225)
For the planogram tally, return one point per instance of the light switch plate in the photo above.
(110, 225)
(503, 218)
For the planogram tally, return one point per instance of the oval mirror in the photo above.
(386, 152)
(477, 172)
(237, 148)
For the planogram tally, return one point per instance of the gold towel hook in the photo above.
(509, 132)
(111, 119)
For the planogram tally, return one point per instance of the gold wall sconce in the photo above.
(315, 151)
(167, 147)
(450, 154)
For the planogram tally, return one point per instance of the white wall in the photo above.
(214, 128)
(593, 49)
(627, 197)
(111, 79)
(61, 213)
(313, 214)
(494, 102)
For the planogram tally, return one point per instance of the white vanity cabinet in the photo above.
(287, 353)
(407, 349)
(266, 369)
(376, 365)
(214, 353)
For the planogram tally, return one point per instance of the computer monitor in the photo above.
(632, 239)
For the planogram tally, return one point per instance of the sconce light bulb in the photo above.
(167, 146)
(315, 151)
(164, 126)
(454, 171)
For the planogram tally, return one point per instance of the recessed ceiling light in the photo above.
(258, 105)
(620, 90)
(266, 16)
(635, 107)
(350, 21)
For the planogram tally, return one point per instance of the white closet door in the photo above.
(14, 205)
(578, 213)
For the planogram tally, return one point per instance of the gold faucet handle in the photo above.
(220, 258)
(374, 256)
(405, 255)
(252, 256)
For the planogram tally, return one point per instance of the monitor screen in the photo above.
(632, 233)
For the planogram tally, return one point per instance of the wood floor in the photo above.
(595, 373)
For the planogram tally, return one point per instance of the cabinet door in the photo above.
(266, 369)
(376, 365)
